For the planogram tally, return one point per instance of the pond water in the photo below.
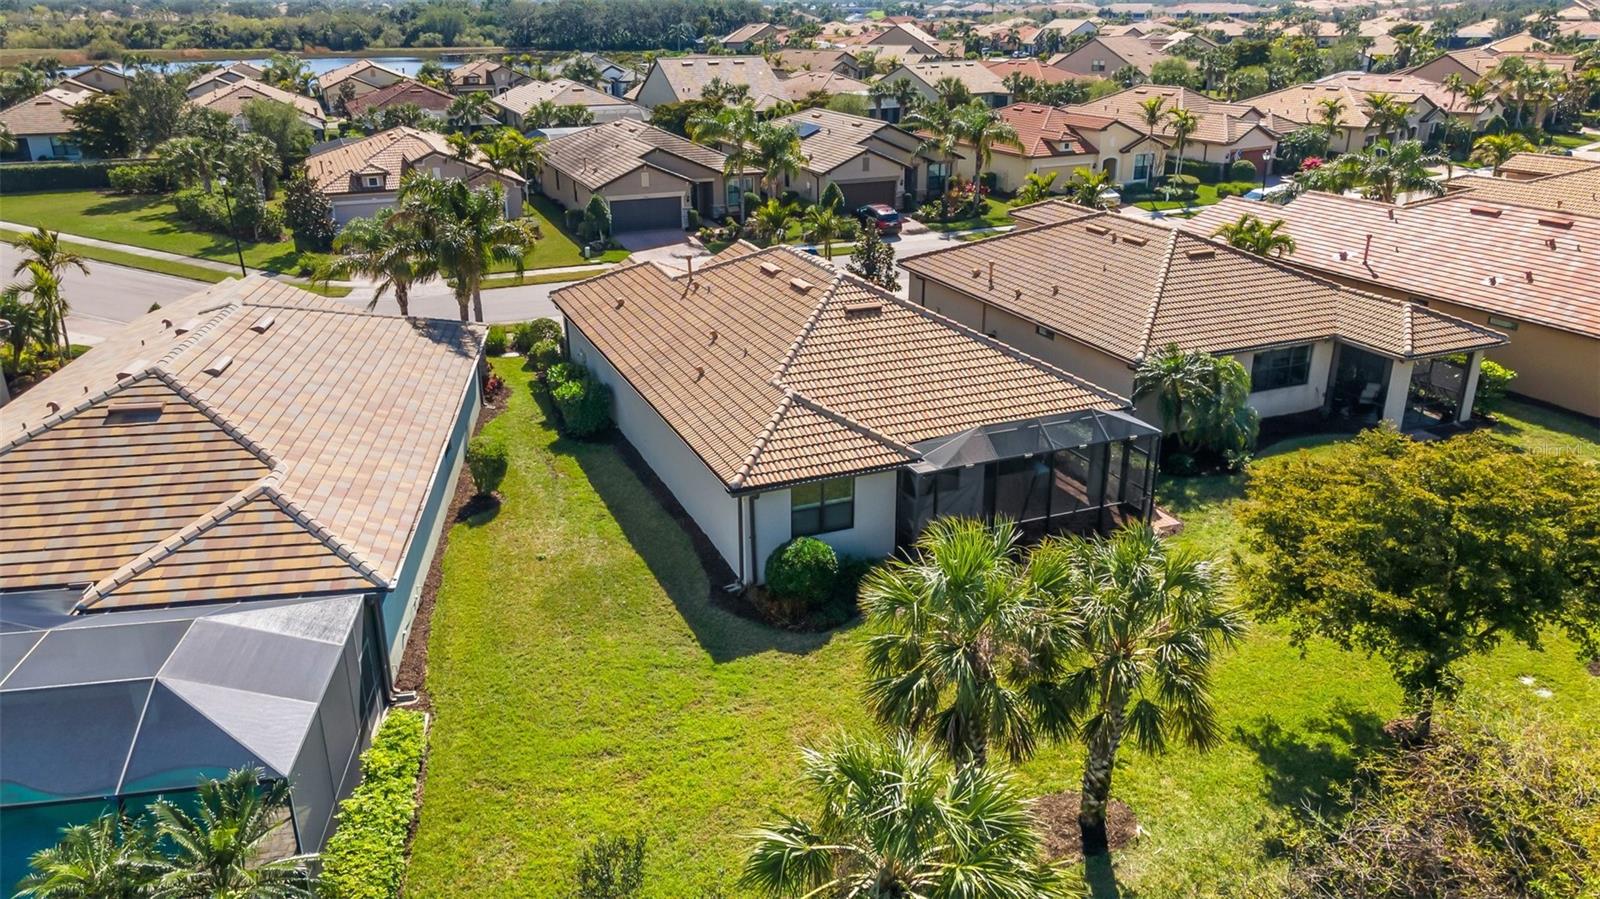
(405, 65)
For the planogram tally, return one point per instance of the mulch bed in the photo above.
(414, 664)
(1594, 668)
(1056, 816)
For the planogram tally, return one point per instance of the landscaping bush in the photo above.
(1225, 191)
(562, 372)
(803, 571)
(1185, 184)
(365, 857)
(23, 177)
(611, 868)
(495, 343)
(1494, 380)
(141, 178)
(207, 211)
(544, 354)
(584, 404)
(525, 334)
(487, 462)
(309, 214)
(694, 219)
(573, 220)
(1242, 170)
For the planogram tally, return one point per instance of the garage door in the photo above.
(643, 215)
(860, 193)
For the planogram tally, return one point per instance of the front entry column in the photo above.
(1399, 392)
(1470, 393)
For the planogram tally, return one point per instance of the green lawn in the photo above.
(1205, 195)
(134, 260)
(583, 684)
(142, 221)
(558, 248)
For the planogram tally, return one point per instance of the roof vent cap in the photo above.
(187, 326)
(1201, 253)
(218, 365)
(770, 269)
(800, 284)
(135, 367)
(263, 323)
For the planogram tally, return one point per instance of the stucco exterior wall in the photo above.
(1300, 398)
(636, 185)
(1553, 366)
(700, 492)
(872, 537)
(655, 90)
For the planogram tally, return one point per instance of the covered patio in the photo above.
(1078, 472)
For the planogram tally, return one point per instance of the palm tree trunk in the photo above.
(477, 301)
(402, 297)
(1096, 795)
(463, 300)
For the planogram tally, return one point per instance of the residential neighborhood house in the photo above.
(518, 107)
(675, 79)
(651, 178)
(364, 176)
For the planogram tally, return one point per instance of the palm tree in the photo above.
(1256, 236)
(188, 157)
(46, 260)
(113, 857)
(465, 231)
(467, 110)
(1035, 187)
(892, 823)
(1086, 187)
(905, 95)
(941, 132)
(1385, 112)
(1495, 149)
(771, 220)
(877, 93)
(1181, 383)
(983, 128)
(289, 73)
(776, 150)
(1387, 171)
(1151, 111)
(967, 644)
(384, 249)
(731, 127)
(952, 91)
(1150, 618)
(216, 850)
(823, 224)
(1183, 124)
(254, 159)
(1330, 111)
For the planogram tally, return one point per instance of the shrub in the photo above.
(803, 571)
(584, 403)
(1226, 190)
(365, 857)
(573, 220)
(487, 462)
(141, 178)
(251, 220)
(694, 219)
(525, 334)
(309, 214)
(495, 343)
(545, 353)
(1242, 170)
(1185, 184)
(562, 372)
(1494, 380)
(611, 868)
(22, 177)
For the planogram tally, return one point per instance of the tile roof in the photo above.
(797, 60)
(560, 91)
(391, 152)
(328, 81)
(1299, 104)
(975, 75)
(1051, 131)
(775, 368)
(233, 99)
(1404, 87)
(1135, 51)
(599, 155)
(798, 85)
(44, 113)
(1217, 122)
(405, 92)
(1129, 287)
(1575, 191)
(746, 33)
(253, 439)
(1546, 164)
(689, 75)
(835, 138)
(1031, 68)
(1462, 249)
(483, 68)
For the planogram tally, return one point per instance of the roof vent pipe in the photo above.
(991, 274)
(1366, 250)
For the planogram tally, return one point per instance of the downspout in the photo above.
(753, 551)
(375, 607)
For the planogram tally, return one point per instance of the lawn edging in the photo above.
(366, 856)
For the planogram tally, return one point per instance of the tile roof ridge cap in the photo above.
(193, 338)
(216, 418)
(1149, 325)
(853, 425)
(1048, 226)
(768, 431)
(56, 418)
(810, 324)
(271, 488)
(632, 265)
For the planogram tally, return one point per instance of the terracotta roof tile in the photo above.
(233, 99)
(596, 156)
(391, 152)
(44, 113)
(404, 92)
(560, 91)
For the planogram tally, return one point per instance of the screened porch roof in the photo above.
(1019, 439)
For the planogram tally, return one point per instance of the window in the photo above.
(644, 177)
(1044, 332)
(822, 507)
(373, 181)
(866, 163)
(1274, 369)
(1098, 65)
(936, 177)
(1504, 324)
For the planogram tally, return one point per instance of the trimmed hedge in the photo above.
(142, 178)
(525, 334)
(365, 857)
(487, 462)
(803, 570)
(584, 403)
(495, 343)
(24, 177)
(544, 354)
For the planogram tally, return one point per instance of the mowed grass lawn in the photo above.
(152, 222)
(583, 685)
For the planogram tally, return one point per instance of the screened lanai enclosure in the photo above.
(1078, 472)
(112, 710)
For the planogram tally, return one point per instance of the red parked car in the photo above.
(881, 216)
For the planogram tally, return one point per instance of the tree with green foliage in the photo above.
(465, 230)
(99, 128)
(833, 198)
(1183, 123)
(309, 213)
(770, 221)
(1388, 172)
(968, 644)
(1254, 235)
(597, 217)
(217, 843)
(289, 73)
(1148, 618)
(1087, 188)
(1035, 187)
(46, 261)
(1174, 71)
(1426, 553)
(487, 462)
(1496, 149)
(112, 857)
(822, 224)
(152, 109)
(1204, 400)
(893, 822)
(611, 867)
(873, 260)
(982, 129)
(281, 124)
